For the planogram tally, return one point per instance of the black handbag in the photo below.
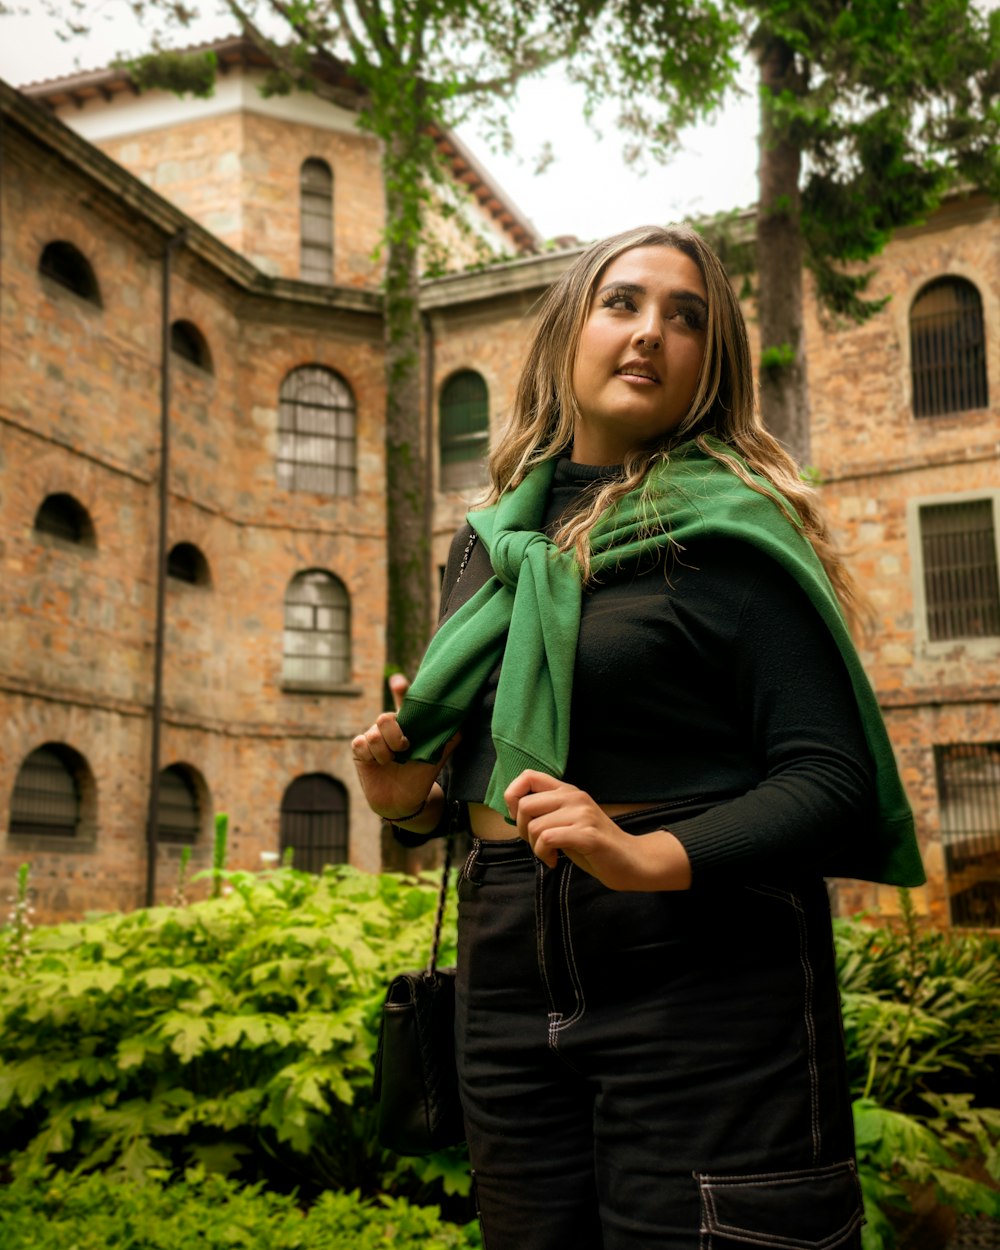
(416, 1083)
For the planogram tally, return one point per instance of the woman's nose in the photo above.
(648, 337)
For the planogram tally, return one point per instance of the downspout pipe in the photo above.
(153, 815)
(430, 366)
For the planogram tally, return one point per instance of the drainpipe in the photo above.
(429, 447)
(153, 815)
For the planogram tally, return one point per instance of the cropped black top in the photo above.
(708, 683)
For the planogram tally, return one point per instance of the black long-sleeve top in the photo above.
(707, 682)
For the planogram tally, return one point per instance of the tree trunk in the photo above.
(783, 390)
(408, 538)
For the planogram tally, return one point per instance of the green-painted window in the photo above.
(464, 430)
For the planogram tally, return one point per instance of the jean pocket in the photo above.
(813, 1209)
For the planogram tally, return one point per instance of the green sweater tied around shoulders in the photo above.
(528, 616)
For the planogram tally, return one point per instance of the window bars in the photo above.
(316, 433)
(961, 587)
(314, 822)
(968, 778)
(179, 810)
(46, 798)
(947, 348)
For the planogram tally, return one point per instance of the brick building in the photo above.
(275, 603)
(906, 435)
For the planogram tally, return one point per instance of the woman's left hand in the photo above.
(553, 816)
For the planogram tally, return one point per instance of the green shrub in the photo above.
(922, 1027)
(897, 1152)
(921, 1012)
(237, 1033)
(105, 1212)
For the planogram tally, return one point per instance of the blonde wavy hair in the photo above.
(545, 409)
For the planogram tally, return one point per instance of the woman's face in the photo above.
(640, 353)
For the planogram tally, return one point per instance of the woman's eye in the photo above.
(689, 317)
(619, 299)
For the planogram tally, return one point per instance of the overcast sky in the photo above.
(587, 191)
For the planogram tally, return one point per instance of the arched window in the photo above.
(316, 221)
(316, 438)
(188, 342)
(46, 798)
(947, 348)
(185, 563)
(67, 265)
(317, 630)
(464, 430)
(314, 822)
(179, 807)
(63, 517)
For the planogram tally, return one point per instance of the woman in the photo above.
(661, 738)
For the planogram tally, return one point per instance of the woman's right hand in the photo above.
(394, 791)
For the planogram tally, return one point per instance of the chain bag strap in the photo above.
(449, 842)
(416, 1082)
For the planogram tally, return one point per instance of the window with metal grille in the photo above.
(947, 348)
(316, 432)
(316, 221)
(46, 798)
(64, 517)
(185, 563)
(179, 809)
(317, 630)
(464, 432)
(314, 822)
(968, 778)
(67, 265)
(961, 588)
(188, 342)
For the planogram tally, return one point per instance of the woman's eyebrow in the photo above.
(636, 288)
(630, 288)
(690, 297)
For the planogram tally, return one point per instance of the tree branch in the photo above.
(375, 25)
(279, 55)
(535, 62)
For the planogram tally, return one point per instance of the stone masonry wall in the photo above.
(79, 414)
(238, 174)
(197, 165)
(877, 461)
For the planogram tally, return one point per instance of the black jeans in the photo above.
(650, 1070)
